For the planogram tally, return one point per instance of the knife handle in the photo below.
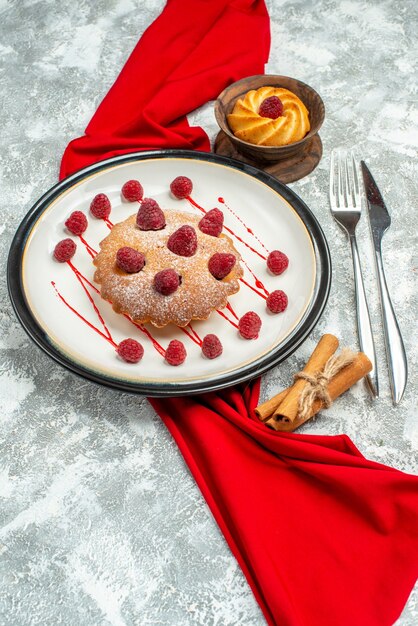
(364, 325)
(395, 350)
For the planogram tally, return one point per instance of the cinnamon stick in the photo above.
(342, 381)
(266, 410)
(287, 409)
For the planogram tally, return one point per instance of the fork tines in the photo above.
(344, 188)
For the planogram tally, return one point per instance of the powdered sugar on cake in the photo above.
(134, 294)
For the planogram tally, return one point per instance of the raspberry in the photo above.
(175, 353)
(212, 223)
(181, 187)
(132, 191)
(150, 215)
(220, 264)
(277, 262)
(183, 241)
(77, 223)
(64, 250)
(130, 350)
(249, 325)
(211, 347)
(130, 260)
(271, 107)
(100, 206)
(277, 301)
(166, 282)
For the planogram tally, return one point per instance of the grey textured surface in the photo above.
(100, 521)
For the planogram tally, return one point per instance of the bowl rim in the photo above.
(223, 124)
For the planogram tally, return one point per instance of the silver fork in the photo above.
(345, 200)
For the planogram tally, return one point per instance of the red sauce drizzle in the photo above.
(222, 201)
(229, 307)
(194, 203)
(245, 243)
(258, 282)
(108, 223)
(106, 336)
(192, 334)
(262, 295)
(227, 318)
(92, 252)
(146, 332)
(82, 277)
(230, 231)
(140, 327)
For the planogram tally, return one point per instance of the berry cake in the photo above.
(157, 267)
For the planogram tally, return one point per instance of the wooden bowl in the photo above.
(311, 99)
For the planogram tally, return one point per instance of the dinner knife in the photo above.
(380, 221)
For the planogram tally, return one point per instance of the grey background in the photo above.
(100, 520)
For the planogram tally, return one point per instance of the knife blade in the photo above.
(379, 220)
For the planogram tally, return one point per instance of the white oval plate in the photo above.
(265, 214)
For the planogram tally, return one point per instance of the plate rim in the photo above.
(302, 330)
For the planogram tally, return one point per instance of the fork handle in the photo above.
(398, 365)
(364, 326)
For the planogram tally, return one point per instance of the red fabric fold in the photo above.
(324, 536)
(192, 51)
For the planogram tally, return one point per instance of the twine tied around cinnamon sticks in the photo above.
(317, 385)
(324, 378)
